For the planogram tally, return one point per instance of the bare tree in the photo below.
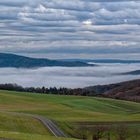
(122, 132)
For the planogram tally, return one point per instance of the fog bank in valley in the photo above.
(68, 77)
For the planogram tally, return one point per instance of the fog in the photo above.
(68, 77)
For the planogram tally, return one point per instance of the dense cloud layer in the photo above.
(69, 77)
(70, 27)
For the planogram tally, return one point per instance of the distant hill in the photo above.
(136, 72)
(17, 61)
(100, 89)
(129, 90)
(104, 61)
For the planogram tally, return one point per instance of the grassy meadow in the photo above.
(69, 112)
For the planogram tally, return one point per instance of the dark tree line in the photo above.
(109, 132)
(52, 90)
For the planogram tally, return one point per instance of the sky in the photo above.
(71, 28)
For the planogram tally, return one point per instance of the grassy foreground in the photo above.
(20, 127)
(28, 136)
(66, 111)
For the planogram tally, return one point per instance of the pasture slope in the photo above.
(68, 112)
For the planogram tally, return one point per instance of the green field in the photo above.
(67, 111)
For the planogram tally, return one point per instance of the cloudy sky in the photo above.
(71, 28)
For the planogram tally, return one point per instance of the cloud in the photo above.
(68, 77)
(75, 26)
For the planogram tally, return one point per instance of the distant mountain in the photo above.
(104, 61)
(17, 61)
(136, 72)
(129, 90)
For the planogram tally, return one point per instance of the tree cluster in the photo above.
(52, 90)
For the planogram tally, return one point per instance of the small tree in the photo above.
(98, 132)
(122, 132)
